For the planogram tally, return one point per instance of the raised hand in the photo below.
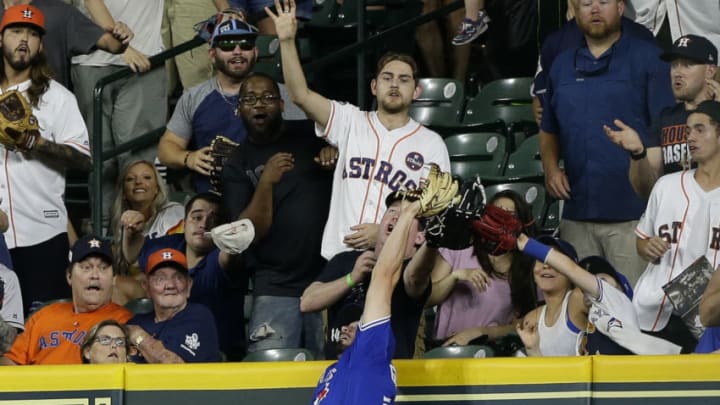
(285, 22)
(625, 137)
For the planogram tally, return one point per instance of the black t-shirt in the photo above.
(406, 311)
(668, 132)
(287, 259)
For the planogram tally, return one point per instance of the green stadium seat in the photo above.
(140, 306)
(456, 352)
(440, 104)
(279, 355)
(477, 153)
(525, 163)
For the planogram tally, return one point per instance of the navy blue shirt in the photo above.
(212, 287)
(364, 374)
(628, 82)
(191, 334)
(569, 36)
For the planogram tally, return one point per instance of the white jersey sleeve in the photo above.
(614, 316)
(339, 124)
(66, 124)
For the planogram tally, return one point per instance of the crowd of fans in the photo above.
(629, 139)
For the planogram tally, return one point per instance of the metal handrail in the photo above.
(158, 60)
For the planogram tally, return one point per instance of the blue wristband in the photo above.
(537, 250)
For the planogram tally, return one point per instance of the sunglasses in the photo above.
(107, 341)
(228, 45)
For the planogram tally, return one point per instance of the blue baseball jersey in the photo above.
(364, 374)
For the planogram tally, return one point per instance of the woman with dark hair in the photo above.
(106, 342)
(483, 293)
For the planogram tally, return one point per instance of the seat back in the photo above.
(450, 352)
(476, 153)
(440, 104)
(525, 161)
(140, 306)
(279, 355)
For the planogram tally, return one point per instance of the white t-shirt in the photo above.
(169, 217)
(12, 304)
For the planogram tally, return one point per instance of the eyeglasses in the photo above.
(108, 340)
(594, 67)
(265, 99)
(228, 45)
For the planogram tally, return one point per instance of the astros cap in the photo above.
(167, 257)
(23, 14)
(693, 47)
(233, 28)
(90, 245)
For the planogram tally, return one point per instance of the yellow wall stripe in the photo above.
(696, 367)
(61, 378)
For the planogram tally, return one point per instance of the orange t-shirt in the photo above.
(53, 334)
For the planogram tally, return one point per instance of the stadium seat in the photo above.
(37, 305)
(440, 104)
(279, 355)
(450, 352)
(477, 153)
(525, 163)
(503, 105)
(140, 306)
(268, 59)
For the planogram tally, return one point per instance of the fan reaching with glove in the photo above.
(19, 129)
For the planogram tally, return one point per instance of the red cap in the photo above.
(170, 257)
(23, 15)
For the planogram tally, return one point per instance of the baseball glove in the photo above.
(222, 148)
(235, 237)
(19, 128)
(435, 194)
(497, 229)
(452, 228)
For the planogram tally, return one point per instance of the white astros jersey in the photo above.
(688, 218)
(31, 191)
(372, 162)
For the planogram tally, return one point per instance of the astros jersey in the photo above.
(363, 375)
(372, 162)
(688, 218)
(31, 191)
(53, 334)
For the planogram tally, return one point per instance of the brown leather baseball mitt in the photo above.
(19, 128)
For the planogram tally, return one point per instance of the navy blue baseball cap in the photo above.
(90, 245)
(599, 265)
(693, 47)
(563, 246)
(709, 107)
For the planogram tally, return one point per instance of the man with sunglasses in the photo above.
(612, 75)
(273, 180)
(208, 109)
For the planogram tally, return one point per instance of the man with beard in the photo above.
(273, 180)
(33, 182)
(693, 64)
(378, 151)
(612, 75)
(54, 333)
(208, 109)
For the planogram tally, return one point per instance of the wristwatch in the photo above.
(639, 156)
(139, 339)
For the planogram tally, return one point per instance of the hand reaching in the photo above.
(285, 22)
(625, 137)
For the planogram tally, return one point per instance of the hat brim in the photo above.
(169, 263)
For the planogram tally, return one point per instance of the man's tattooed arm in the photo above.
(55, 154)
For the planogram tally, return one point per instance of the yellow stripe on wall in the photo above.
(624, 369)
(61, 378)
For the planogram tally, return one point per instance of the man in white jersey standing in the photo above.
(378, 151)
(33, 176)
(681, 224)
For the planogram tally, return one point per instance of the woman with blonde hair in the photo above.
(107, 342)
(140, 188)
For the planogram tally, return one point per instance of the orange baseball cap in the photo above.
(23, 14)
(168, 257)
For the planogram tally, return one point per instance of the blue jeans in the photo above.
(277, 323)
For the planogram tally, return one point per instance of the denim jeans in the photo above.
(277, 323)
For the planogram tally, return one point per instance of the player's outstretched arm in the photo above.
(386, 274)
(315, 106)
